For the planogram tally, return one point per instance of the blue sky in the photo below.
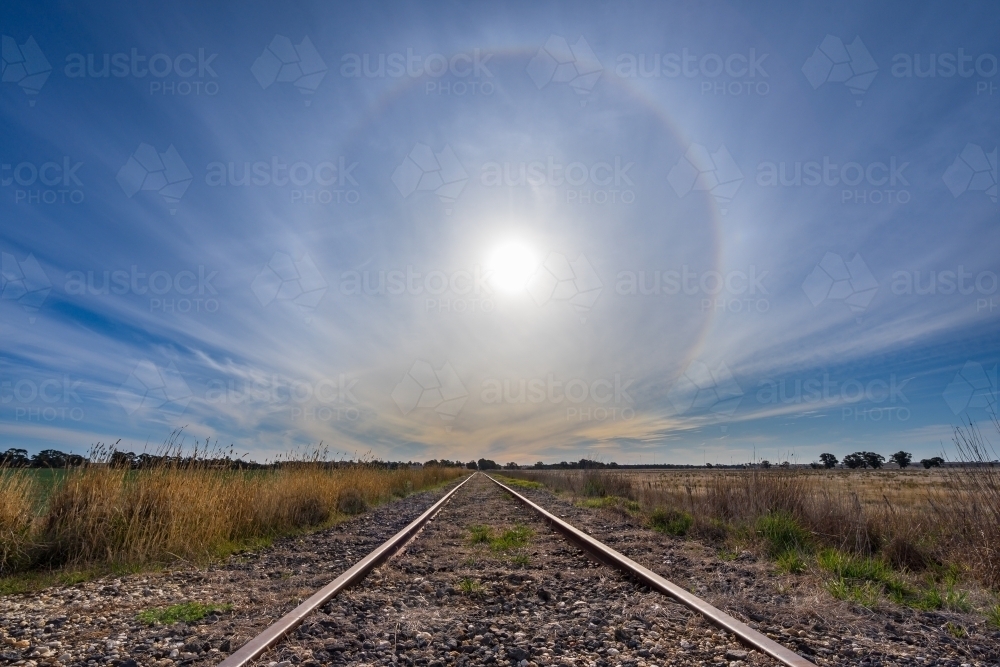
(635, 232)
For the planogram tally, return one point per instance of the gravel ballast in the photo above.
(446, 600)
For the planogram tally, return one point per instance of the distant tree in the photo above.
(488, 464)
(815, 466)
(539, 464)
(708, 465)
(786, 464)
(471, 465)
(48, 458)
(511, 466)
(765, 464)
(15, 458)
(855, 460)
(873, 460)
(828, 460)
(120, 459)
(933, 462)
(432, 462)
(901, 458)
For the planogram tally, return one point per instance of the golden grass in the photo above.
(117, 518)
(17, 492)
(912, 519)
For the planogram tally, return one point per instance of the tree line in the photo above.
(53, 458)
(875, 461)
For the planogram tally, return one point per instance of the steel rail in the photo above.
(265, 640)
(619, 561)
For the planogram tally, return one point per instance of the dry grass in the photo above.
(116, 518)
(16, 513)
(913, 520)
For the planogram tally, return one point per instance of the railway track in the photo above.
(478, 579)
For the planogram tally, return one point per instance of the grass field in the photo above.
(99, 518)
(911, 537)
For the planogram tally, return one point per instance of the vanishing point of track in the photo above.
(591, 547)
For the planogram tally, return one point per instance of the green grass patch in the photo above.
(782, 533)
(32, 582)
(187, 612)
(853, 572)
(513, 538)
(993, 616)
(864, 593)
(955, 630)
(791, 562)
(610, 502)
(520, 560)
(854, 567)
(480, 534)
(728, 555)
(469, 586)
(519, 483)
(671, 521)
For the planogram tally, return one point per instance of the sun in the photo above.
(511, 265)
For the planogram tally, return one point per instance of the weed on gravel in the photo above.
(469, 586)
(512, 538)
(188, 612)
(519, 483)
(993, 616)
